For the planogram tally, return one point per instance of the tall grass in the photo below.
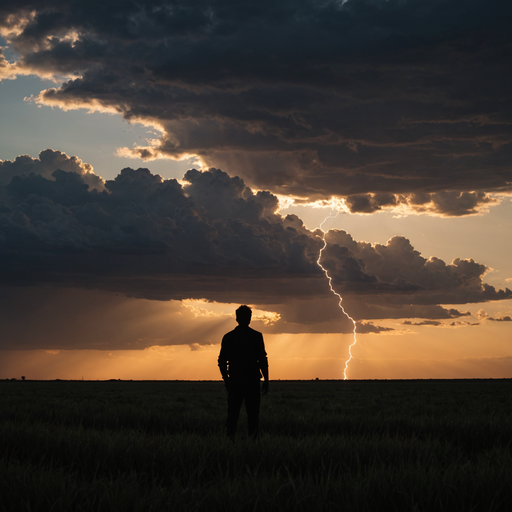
(155, 446)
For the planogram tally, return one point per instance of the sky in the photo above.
(163, 162)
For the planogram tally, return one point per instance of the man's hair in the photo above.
(244, 314)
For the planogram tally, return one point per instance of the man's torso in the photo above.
(243, 348)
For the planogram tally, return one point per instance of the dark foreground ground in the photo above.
(325, 445)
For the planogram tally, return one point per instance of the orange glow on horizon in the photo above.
(408, 351)
(421, 355)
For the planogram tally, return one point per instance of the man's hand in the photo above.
(264, 391)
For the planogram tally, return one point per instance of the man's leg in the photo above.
(235, 399)
(252, 407)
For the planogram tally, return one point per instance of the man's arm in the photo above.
(263, 361)
(223, 362)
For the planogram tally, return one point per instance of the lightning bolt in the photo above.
(329, 278)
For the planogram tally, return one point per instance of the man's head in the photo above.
(243, 315)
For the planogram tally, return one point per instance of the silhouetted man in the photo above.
(242, 361)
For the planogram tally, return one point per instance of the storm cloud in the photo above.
(401, 274)
(152, 238)
(212, 237)
(46, 164)
(396, 104)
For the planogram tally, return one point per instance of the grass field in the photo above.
(324, 445)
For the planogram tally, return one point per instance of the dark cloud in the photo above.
(153, 238)
(48, 162)
(370, 328)
(212, 237)
(383, 307)
(433, 323)
(446, 203)
(458, 323)
(378, 102)
(395, 274)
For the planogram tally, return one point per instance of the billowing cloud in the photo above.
(395, 274)
(152, 238)
(48, 162)
(375, 102)
(211, 237)
(482, 315)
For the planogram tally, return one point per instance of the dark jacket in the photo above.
(242, 355)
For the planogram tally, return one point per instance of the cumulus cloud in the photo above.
(375, 102)
(212, 237)
(46, 164)
(154, 238)
(482, 315)
(397, 274)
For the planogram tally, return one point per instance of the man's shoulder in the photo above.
(229, 335)
(242, 331)
(249, 331)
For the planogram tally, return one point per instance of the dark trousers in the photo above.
(250, 393)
